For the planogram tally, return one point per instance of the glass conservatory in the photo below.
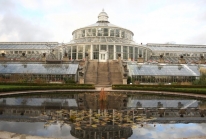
(104, 41)
(10, 72)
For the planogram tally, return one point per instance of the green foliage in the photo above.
(26, 87)
(129, 80)
(69, 81)
(201, 80)
(72, 118)
(170, 88)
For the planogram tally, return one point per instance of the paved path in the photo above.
(108, 89)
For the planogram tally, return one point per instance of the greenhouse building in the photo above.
(102, 53)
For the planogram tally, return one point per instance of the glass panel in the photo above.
(130, 49)
(125, 52)
(95, 55)
(76, 35)
(140, 51)
(118, 48)
(95, 47)
(79, 34)
(73, 55)
(83, 33)
(94, 32)
(39, 69)
(131, 56)
(100, 32)
(89, 32)
(80, 56)
(131, 52)
(69, 49)
(123, 35)
(125, 49)
(125, 56)
(74, 49)
(136, 53)
(111, 32)
(111, 51)
(80, 48)
(126, 34)
(69, 56)
(105, 31)
(144, 54)
(87, 50)
(117, 33)
(102, 56)
(104, 47)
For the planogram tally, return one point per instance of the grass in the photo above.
(24, 87)
(167, 88)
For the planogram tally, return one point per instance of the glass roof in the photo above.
(38, 101)
(185, 49)
(165, 103)
(177, 49)
(164, 70)
(25, 46)
(39, 68)
(102, 40)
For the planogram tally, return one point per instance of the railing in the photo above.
(109, 73)
(85, 69)
(97, 72)
(121, 68)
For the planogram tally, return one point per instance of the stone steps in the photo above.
(115, 73)
(97, 73)
(91, 73)
(103, 74)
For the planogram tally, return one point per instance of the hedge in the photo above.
(48, 87)
(169, 88)
(43, 84)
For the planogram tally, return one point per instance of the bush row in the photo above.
(27, 88)
(160, 88)
(166, 86)
(43, 84)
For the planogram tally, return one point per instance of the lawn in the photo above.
(26, 87)
(169, 88)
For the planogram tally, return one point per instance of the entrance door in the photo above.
(103, 57)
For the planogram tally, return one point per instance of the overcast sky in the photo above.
(151, 21)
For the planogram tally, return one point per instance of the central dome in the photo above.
(103, 17)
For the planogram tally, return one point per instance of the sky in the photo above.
(151, 21)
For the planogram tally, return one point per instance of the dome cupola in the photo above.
(103, 17)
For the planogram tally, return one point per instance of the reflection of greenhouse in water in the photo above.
(85, 101)
(106, 132)
(88, 118)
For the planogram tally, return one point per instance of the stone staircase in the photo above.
(91, 73)
(115, 73)
(103, 74)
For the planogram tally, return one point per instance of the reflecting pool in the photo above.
(106, 115)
